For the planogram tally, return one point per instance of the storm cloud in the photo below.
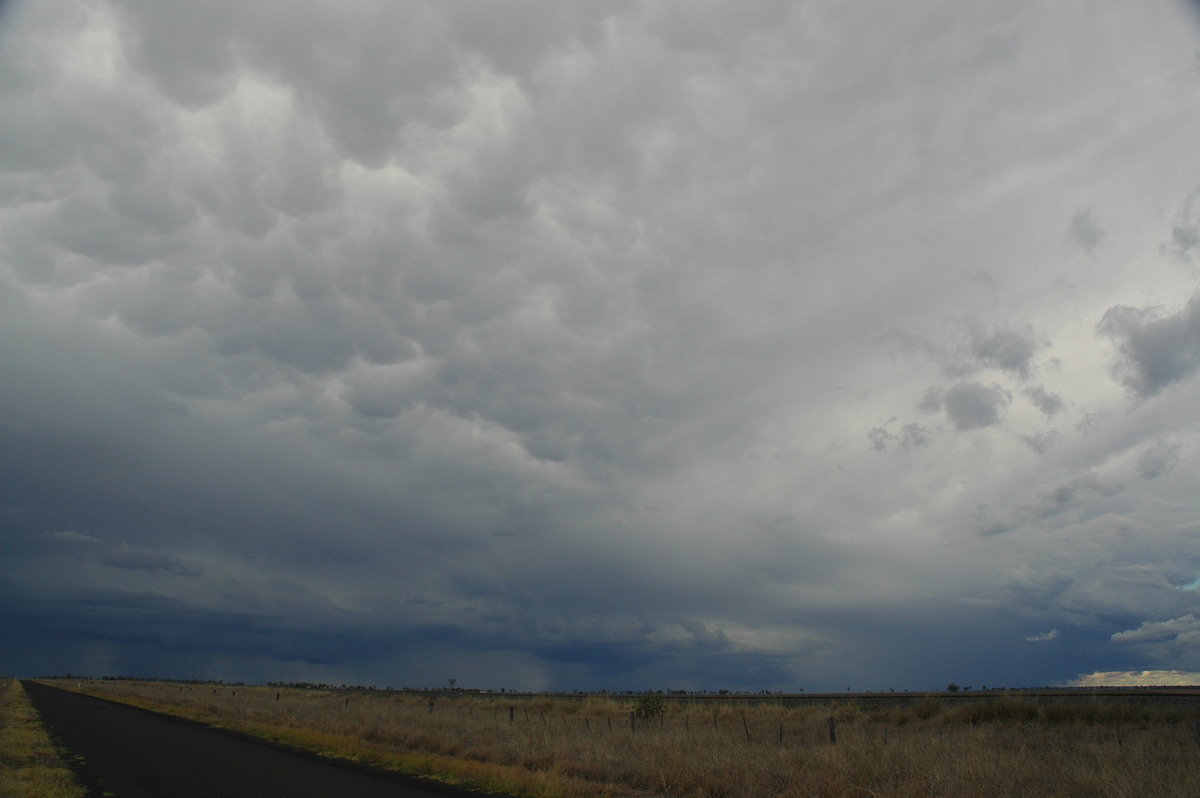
(602, 345)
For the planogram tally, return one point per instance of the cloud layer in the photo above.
(613, 344)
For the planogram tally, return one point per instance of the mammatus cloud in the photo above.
(537, 344)
(1154, 349)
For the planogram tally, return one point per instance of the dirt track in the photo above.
(126, 752)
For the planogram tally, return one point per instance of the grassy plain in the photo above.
(29, 765)
(579, 747)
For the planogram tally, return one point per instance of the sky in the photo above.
(601, 345)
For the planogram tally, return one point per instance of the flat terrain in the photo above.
(1000, 745)
(126, 752)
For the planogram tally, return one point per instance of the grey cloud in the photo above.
(1049, 403)
(880, 438)
(1175, 641)
(70, 535)
(1042, 442)
(1158, 459)
(969, 346)
(1154, 350)
(135, 559)
(912, 436)
(1185, 232)
(1187, 238)
(1067, 502)
(933, 400)
(1009, 350)
(1085, 230)
(970, 405)
(1070, 493)
(1122, 592)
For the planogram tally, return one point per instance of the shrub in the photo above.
(649, 707)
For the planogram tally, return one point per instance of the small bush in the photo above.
(649, 707)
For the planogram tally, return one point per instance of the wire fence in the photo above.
(819, 729)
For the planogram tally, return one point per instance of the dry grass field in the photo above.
(588, 746)
(29, 765)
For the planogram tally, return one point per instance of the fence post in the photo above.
(832, 729)
(745, 727)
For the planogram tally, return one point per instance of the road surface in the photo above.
(125, 752)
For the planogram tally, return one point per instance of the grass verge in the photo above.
(30, 767)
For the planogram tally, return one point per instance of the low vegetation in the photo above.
(29, 765)
(607, 746)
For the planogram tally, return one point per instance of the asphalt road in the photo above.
(125, 752)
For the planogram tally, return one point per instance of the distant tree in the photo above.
(453, 681)
(952, 687)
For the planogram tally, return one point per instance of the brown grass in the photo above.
(586, 747)
(29, 765)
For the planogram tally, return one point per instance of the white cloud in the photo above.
(1161, 678)
(1187, 626)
